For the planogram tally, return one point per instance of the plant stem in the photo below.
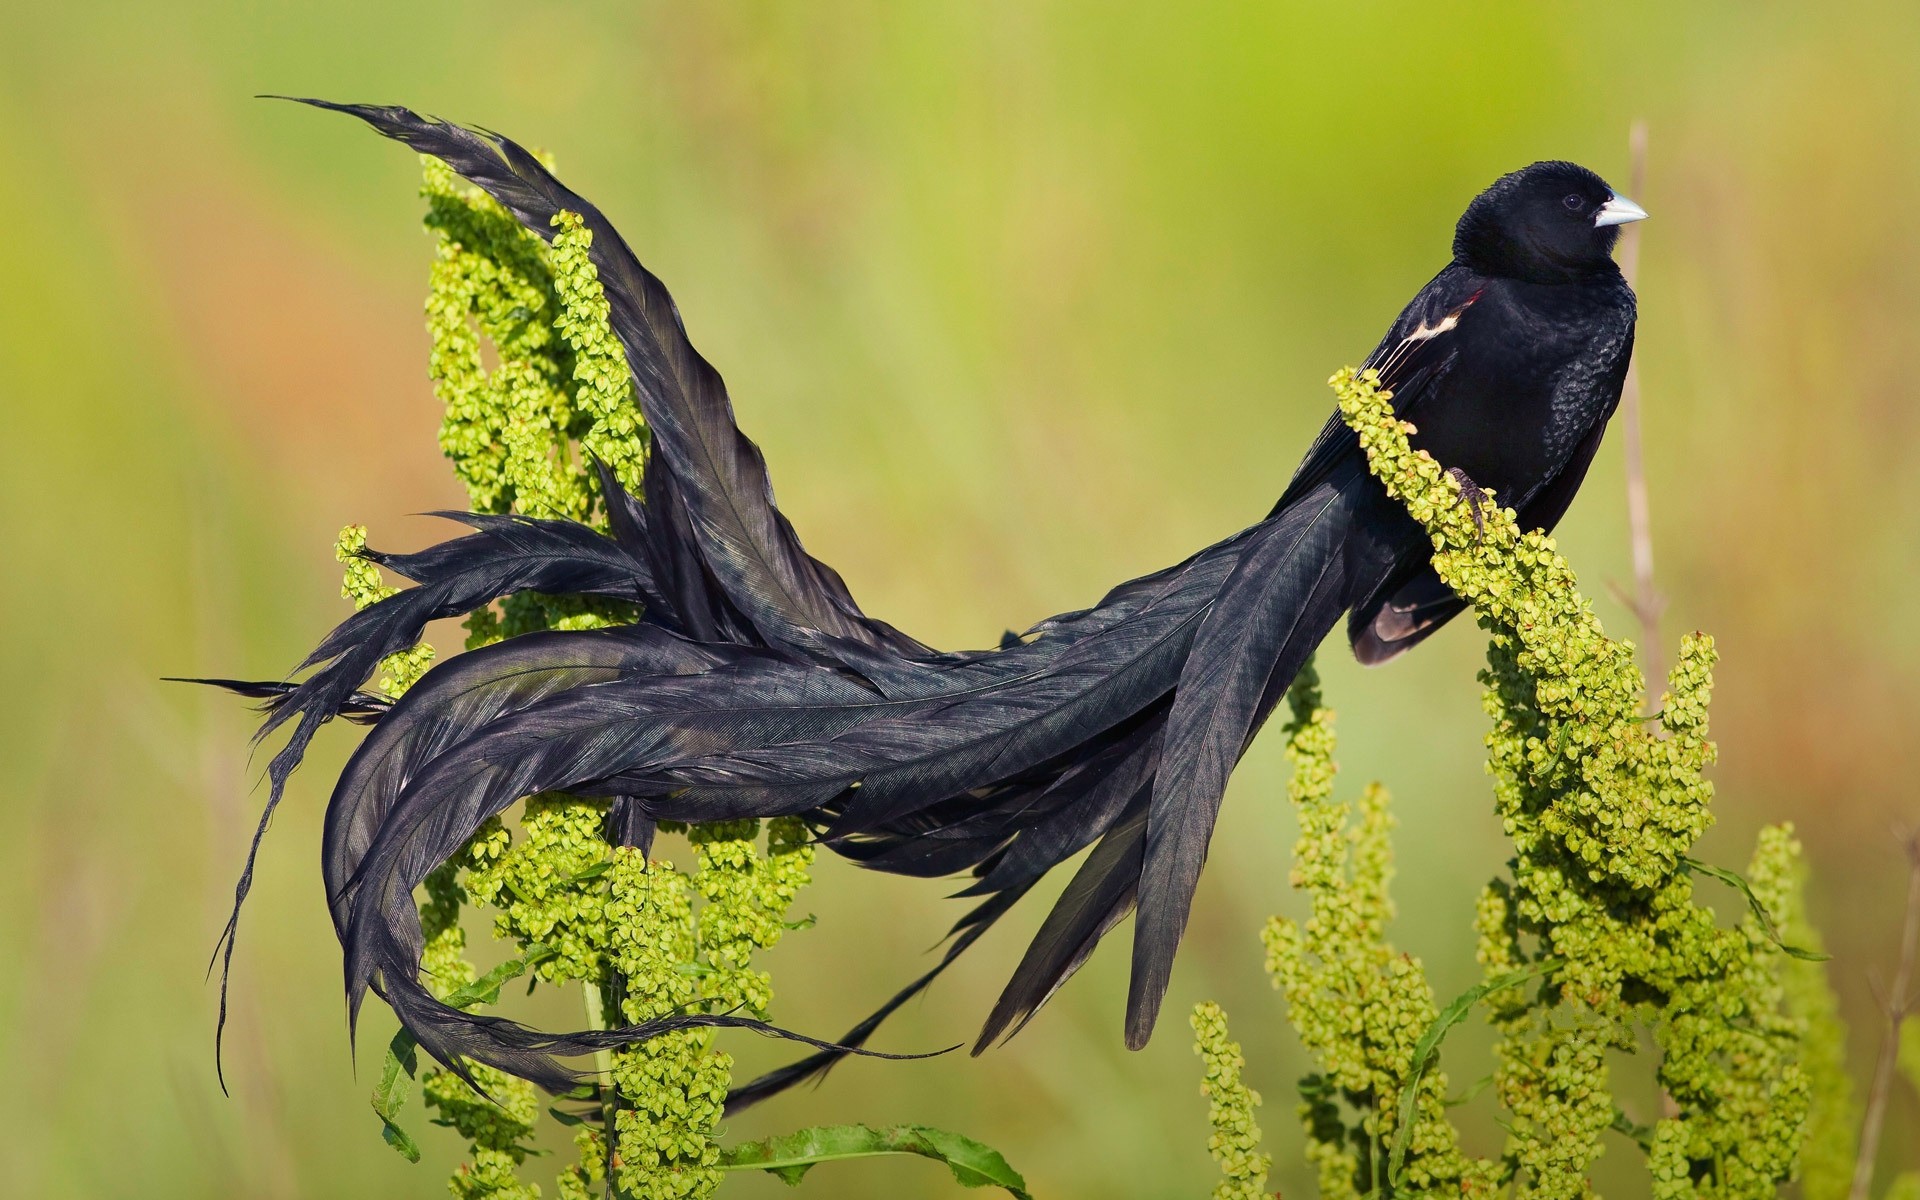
(603, 1067)
(1645, 602)
(1898, 1003)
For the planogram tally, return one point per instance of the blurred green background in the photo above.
(1020, 300)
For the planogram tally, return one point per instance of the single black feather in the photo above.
(755, 686)
(1100, 894)
(361, 708)
(815, 1066)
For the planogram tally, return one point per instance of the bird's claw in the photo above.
(1474, 497)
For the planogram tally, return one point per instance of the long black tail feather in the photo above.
(1100, 894)
(814, 1067)
(359, 708)
(1287, 591)
(455, 1037)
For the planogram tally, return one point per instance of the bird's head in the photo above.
(1552, 222)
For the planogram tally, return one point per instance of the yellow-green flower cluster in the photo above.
(603, 385)
(558, 385)
(670, 957)
(498, 1126)
(1833, 1112)
(746, 900)
(1732, 1059)
(490, 1176)
(1603, 807)
(1552, 1080)
(534, 380)
(587, 1178)
(498, 1123)
(1235, 1144)
(506, 429)
(673, 1088)
(444, 960)
(362, 585)
(536, 887)
(1359, 1006)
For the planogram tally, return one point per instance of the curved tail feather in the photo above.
(718, 476)
(1101, 893)
(507, 555)
(815, 1066)
(454, 1037)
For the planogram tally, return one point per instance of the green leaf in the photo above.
(1734, 879)
(1427, 1049)
(403, 1059)
(592, 873)
(486, 989)
(390, 1095)
(399, 1139)
(792, 1155)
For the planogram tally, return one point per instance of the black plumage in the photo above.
(753, 684)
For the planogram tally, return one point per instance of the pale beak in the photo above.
(1618, 210)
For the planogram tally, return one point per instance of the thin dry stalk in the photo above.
(1898, 1004)
(1645, 602)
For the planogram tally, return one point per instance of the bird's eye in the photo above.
(1574, 202)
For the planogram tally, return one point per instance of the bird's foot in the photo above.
(1474, 497)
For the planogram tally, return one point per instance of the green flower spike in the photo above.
(1592, 939)
(533, 381)
(1235, 1143)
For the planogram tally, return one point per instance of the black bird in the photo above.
(754, 686)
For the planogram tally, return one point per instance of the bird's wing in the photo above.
(1415, 352)
(1412, 608)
